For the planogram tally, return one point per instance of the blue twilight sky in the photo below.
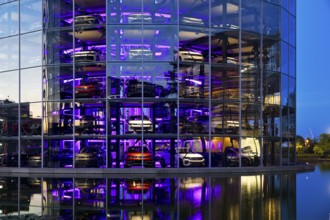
(313, 73)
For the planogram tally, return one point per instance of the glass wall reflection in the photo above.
(246, 197)
(148, 83)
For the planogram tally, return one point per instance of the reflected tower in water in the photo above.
(236, 197)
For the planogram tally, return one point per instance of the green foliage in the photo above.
(299, 148)
(300, 140)
(324, 142)
(318, 150)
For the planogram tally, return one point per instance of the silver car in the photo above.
(137, 122)
(139, 54)
(138, 18)
(88, 19)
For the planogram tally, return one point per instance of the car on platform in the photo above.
(138, 156)
(137, 123)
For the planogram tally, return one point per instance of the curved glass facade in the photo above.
(147, 83)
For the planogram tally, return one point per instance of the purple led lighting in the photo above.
(163, 15)
(194, 81)
(70, 80)
(157, 32)
(133, 13)
(55, 113)
(163, 47)
(55, 193)
(158, 54)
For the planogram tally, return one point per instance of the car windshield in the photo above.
(82, 58)
(90, 150)
(184, 150)
(138, 117)
(137, 149)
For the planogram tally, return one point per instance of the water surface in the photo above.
(275, 196)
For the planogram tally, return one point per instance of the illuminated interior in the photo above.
(185, 83)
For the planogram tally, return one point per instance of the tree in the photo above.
(318, 150)
(324, 142)
(300, 144)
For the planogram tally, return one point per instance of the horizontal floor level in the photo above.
(150, 172)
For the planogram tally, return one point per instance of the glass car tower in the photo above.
(147, 83)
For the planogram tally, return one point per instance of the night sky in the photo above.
(313, 69)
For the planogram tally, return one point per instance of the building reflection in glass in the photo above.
(236, 197)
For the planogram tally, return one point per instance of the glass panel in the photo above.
(90, 153)
(285, 123)
(285, 26)
(271, 152)
(292, 92)
(59, 118)
(285, 4)
(271, 20)
(292, 62)
(193, 13)
(272, 55)
(284, 90)
(251, 15)
(292, 7)
(224, 14)
(285, 152)
(9, 53)
(59, 13)
(9, 118)
(31, 85)
(10, 149)
(58, 83)
(59, 153)
(9, 86)
(31, 119)
(292, 134)
(31, 15)
(59, 46)
(31, 49)
(284, 58)
(89, 118)
(31, 153)
(9, 19)
(292, 29)
(224, 118)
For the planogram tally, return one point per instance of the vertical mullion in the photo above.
(240, 83)
(19, 86)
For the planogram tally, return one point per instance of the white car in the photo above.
(192, 21)
(88, 19)
(139, 18)
(186, 157)
(189, 56)
(137, 123)
(87, 56)
(139, 54)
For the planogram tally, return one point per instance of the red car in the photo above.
(89, 90)
(134, 157)
(84, 91)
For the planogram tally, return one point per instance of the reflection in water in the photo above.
(236, 197)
